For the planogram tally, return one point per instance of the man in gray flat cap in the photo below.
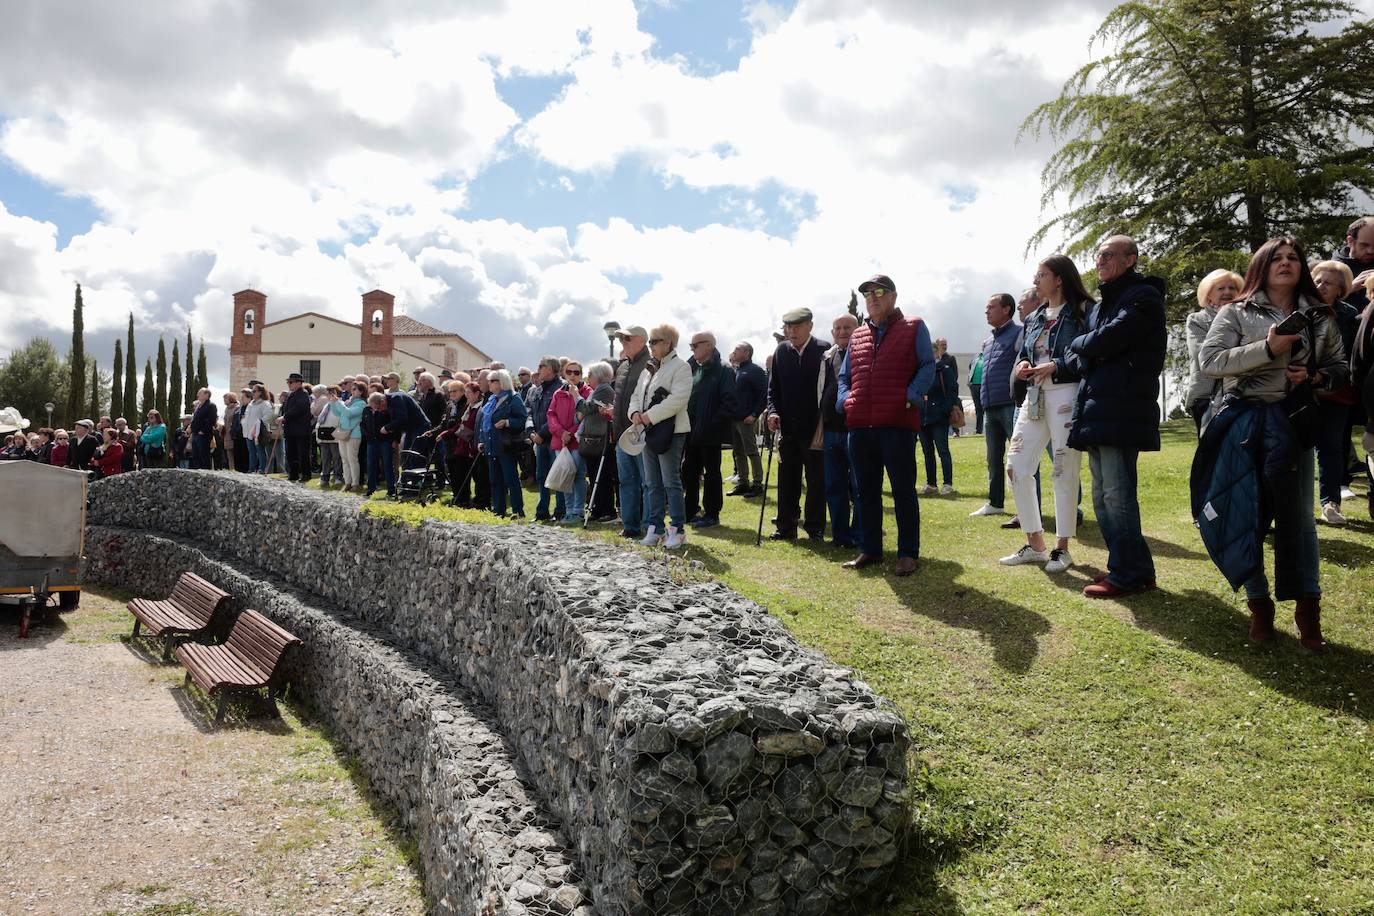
(795, 384)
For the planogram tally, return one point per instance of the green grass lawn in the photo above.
(1077, 755)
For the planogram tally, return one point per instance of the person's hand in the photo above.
(1280, 344)
(566, 436)
(1363, 278)
(501, 424)
(1297, 373)
(281, 421)
(607, 411)
(535, 438)
(774, 422)
(1042, 373)
(1023, 370)
(637, 418)
(749, 420)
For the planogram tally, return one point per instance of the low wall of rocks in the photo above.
(698, 759)
(427, 746)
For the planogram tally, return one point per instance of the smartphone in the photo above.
(1295, 323)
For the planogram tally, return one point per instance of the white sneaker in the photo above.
(1060, 560)
(651, 537)
(928, 490)
(987, 509)
(733, 478)
(1332, 515)
(1027, 554)
(1347, 493)
(675, 539)
(947, 490)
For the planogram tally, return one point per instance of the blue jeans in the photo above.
(841, 489)
(200, 451)
(935, 439)
(633, 505)
(663, 485)
(1129, 564)
(1292, 504)
(577, 499)
(997, 426)
(381, 461)
(505, 484)
(543, 460)
(257, 457)
(870, 452)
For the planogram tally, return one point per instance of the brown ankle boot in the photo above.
(1308, 617)
(1261, 619)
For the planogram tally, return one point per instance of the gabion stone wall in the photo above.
(696, 757)
(427, 746)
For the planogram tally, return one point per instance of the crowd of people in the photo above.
(1076, 376)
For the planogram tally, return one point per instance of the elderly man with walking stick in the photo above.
(883, 379)
(794, 410)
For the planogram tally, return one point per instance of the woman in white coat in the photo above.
(661, 398)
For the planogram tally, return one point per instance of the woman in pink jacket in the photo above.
(563, 423)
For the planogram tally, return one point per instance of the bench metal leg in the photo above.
(187, 681)
(137, 623)
(219, 714)
(272, 709)
(167, 643)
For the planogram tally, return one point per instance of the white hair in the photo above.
(429, 377)
(600, 371)
(502, 376)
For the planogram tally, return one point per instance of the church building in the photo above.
(325, 349)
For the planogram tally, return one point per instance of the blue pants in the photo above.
(841, 489)
(381, 461)
(633, 505)
(577, 499)
(1129, 563)
(543, 460)
(997, 426)
(505, 484)
(1297, 563)
(935, 439)
(200, 451)
(871, 451)
(663, 485)
(257, 457)
(975, 390)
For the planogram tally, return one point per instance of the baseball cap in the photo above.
(633, 330)
(878, 280)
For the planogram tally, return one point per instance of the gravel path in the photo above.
(116, 798)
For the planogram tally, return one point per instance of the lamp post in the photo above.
(50, 407)
(611, 328)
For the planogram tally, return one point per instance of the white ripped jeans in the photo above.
(1028, 440)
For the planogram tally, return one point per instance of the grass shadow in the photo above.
(1341, 680)
(1012, 630)
(242, 711)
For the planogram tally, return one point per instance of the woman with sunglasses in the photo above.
(563, 422)
(661, 397)
(1277, 372)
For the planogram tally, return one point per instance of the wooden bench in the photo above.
(247, 661)
(186, 614)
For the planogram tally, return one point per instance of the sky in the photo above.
(520, 172)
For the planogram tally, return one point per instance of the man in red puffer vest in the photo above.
(885, 375)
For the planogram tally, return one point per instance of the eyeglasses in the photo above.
(1106, 255)
(657, 340)
(700, 343)
(876, 293)
(572, 371)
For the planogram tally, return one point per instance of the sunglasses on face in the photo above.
(572, 371)
(876, 293)
(657, 340)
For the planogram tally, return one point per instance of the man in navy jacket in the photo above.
(1116, 416)
(296, 423)
(202, 429)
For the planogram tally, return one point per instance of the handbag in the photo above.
(591, 446)
(324, 433)
(658, 437)
(956, 413)
(1300, 404)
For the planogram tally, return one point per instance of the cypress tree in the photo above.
(173, 415)
(148, 395)
(202, 380)
(130, 409)
(76, 361)
(117, 384)
(189, 395)
(93, 408)
(160, 393)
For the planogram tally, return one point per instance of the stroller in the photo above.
(419, 480)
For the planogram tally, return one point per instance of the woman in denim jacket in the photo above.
(1281, 371)
(1047, 413)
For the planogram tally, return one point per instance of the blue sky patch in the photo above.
(710, 36)
(24, 195)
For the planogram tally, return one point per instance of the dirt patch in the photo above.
(118, 799)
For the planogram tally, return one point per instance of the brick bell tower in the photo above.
(245, 343)
(378, 342)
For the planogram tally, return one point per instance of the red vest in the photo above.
(878, 376)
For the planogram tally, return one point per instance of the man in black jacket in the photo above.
(295, 423)
(751, 391)
(841, 485)
(1116, 415)
(1358, 255)
(541, 398)
(203, 420)
(712, 408)
(634, 356)
(794, 409)
(82, 447)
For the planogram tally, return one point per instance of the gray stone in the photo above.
(724, 760)
(789, 744)
(862, 786)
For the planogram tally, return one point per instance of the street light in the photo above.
(611, 328)
(50, 407)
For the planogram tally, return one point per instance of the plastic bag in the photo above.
(561, 475)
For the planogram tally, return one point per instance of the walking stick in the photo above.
(462, 488)
(763, 505)
(591, 500)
